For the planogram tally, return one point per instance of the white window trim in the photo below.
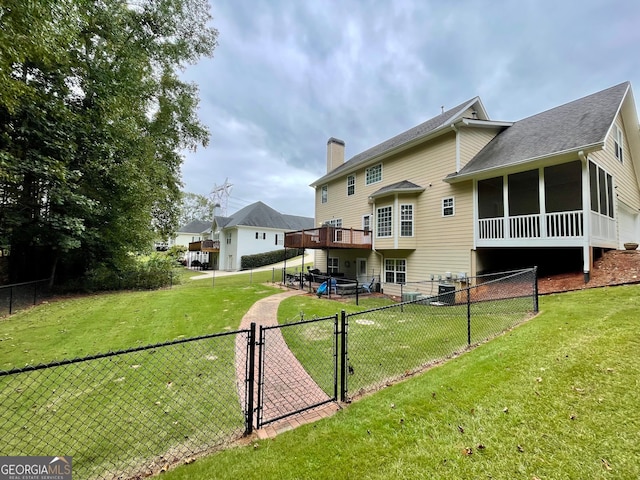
(366, 174)
(351, 185)
(395, 269)
(390, 207)
(413, 208)
(370, 217)
(452, 207)
(331, 266)
(618, 144)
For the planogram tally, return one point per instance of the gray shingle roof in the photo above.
(261, 215)
(569, 127)
(444, 119)
(196, 226)
(403, 186)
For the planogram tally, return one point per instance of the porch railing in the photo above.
(549, 225)
(328, 237)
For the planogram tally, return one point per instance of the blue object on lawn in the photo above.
(322, 289)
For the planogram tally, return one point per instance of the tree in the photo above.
(93, 116)
(196, 207)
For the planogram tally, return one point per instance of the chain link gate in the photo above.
(285, 387)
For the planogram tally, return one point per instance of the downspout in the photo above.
(586, 202)
(373, 240)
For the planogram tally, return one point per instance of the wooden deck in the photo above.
(329, 237)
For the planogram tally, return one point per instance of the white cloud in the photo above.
(288, 75)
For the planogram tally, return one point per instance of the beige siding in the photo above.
(440, 244)
(627, 189)
(472, 140)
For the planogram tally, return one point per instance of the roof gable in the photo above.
(409, 137)
(195, 226)
(261, 215)
(574, 126)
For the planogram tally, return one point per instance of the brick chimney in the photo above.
(335, 153)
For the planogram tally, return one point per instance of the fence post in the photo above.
(250, 378)
(343, 356)
(10, 300)
(535, 289)
(468, 315)
(35, 293)
(336, 349)
(260, 344)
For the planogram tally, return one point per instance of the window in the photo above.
(324, 193)
(448, 207)
(333, 265)
(618, 143)
(395, 270)
(264, 235)
(228, 238)
(279, 238)
(406, 220)
(601, 189)
(384, 222)
(351, 185)
(257, 234)
(366, 223)
(373, 174)
(337, 224)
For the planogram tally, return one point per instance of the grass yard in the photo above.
(171, 400)
(555, 398)
(82, 326)
(393, 341)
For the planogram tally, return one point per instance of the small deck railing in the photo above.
(205, 246)
(328, 237)
(550, 225)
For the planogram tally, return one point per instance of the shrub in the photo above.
(267, 258)
(137, 273)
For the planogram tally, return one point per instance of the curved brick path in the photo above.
(287, 386)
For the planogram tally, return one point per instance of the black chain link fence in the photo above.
(18, 296)
(131, 413)
(388, 343)
(298, 367)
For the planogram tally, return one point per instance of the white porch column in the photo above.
(505, 201)
(586, 216)
(543, 204)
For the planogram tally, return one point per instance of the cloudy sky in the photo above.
(287, 75)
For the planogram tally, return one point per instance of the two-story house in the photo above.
(256, 228)
(461, 194)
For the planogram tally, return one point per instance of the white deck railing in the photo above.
(603, 226)
(549, 225)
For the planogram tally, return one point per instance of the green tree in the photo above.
(93, 117)
(196, 207)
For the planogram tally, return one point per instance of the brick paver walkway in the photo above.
(287, 386)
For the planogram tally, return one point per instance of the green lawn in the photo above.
(105, 322)
(109, 413)
(555, 398)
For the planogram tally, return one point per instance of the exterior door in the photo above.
(361, 271)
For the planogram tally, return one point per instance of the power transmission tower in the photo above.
(220, 195)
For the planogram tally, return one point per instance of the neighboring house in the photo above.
(462, 194)
(191, 235)
(256, 228)
(192, 232)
